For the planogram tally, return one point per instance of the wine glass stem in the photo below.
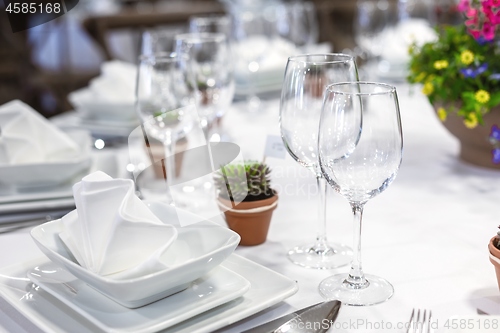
(168, 146)
(356, 278)
(321, 243)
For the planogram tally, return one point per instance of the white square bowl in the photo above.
(32, 175)
(198, 249)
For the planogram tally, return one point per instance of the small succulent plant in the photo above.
(244, 182)
(497, 244)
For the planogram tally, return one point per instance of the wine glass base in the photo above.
(377, 291)
(324, 257)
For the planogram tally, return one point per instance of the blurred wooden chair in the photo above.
(138, 16)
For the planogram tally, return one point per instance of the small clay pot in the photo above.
(252, 226)
(495, 253)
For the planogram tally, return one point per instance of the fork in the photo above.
(420, 321)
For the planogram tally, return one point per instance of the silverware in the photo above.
(420, 321)
(317, 318)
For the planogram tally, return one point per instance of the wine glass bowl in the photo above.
(360, 151)
(306, 77)
(210, 72)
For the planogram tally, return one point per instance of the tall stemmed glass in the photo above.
(165, 102)
(360, 151)
(215, 24)
(306, 77)
(211, 71)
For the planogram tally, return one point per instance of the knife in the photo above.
(317, 318)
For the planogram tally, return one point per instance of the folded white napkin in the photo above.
(27, 137)
(116, 84)
(112, 231)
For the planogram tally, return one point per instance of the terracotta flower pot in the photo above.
(495, 257)
(475, 144)
(250, 220)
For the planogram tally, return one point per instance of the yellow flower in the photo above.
(471, 121)
(482, 96)
(467, 57)
(442, 114)
(420, 77)
(440, 64)
(428, 88)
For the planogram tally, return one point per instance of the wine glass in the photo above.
(360, 150)
(297, 23)
(306, 77)
(165, 101)
(211, 23)
(210, 71)
(214, 24)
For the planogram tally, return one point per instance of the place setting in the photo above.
(39, 164)
(106, 107)
(95, 268)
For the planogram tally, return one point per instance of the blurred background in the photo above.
(42, 65)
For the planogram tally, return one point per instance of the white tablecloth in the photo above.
(427, 233)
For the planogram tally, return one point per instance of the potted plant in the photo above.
(460, 74)
(247, 199)
(494, 247)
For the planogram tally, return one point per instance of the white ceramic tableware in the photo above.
(50, 315)
(219, 286)
(198, 249)
(31, 175)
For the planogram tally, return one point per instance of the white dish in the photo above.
(91, 108)
(98, 128)
(13, 201)
(198, 249)
(52, 316)
(34, 175)
(219, 286)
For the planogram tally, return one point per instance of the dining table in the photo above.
(427, 233)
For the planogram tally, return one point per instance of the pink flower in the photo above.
(463, 6)
(488, 31)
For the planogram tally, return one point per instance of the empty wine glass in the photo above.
(211, 23)
(211, 72)
(165, 101)
(360, 151)
(306, 77)
(214, 24)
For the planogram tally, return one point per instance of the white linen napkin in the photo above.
(112, 231)
(27, 137)
(116, 84)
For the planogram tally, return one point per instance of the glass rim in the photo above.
(210, 18)
(388, 88)
(197, 37)
(162, 56)
(303, 58)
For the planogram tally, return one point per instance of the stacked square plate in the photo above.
(206, 286)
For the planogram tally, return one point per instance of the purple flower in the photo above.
(472, 72)
(495, 133)
(494, 76)
(496, 155)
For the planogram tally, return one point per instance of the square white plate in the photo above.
(267, 289)
(219, 286)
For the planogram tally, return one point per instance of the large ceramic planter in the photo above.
(495, 257)
(475, 144)
(250, 220)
